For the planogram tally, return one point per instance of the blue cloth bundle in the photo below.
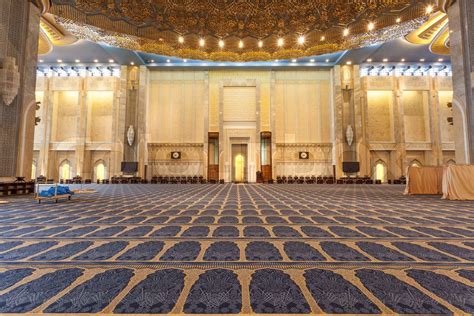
(62, 190)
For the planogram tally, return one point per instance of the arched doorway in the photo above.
(380, 171)
(100, 171)
(65, 170)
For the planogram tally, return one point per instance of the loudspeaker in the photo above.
(350, 167)
(175, 155)
(304, 155)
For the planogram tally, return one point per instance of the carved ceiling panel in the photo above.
(243, 25)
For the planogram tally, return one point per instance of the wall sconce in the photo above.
(9, 80)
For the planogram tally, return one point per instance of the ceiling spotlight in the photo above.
(260, 44)
(41, 60)
(403, 60)
(280, 42)
(181, 40)
(202, 42)
(323, 38)
(293, 60)
(349, 62)
(276, 60)
(77, 61)
(132, 63)
(371, 26)
(241, 44)
(345, 32)
(111, 60)
(96, 60)
(185, 60)
(429, 9)
(59, 60)
(398, 20)
(441, 60)
(422, 60)
(168, 61)
(221, 44)
(311, 60)
(301, 40)
(369, 60)
(327, 60)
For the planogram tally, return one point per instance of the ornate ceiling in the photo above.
(435, 32)
(239, 29)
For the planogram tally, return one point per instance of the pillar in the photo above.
(461, 24)
(19, 31)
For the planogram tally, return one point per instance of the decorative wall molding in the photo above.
(174, 145)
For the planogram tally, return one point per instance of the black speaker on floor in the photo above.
(129, 167)
(350, 167)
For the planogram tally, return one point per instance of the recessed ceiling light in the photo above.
(441, 60)
(280, 42)
(260, 44)
(181, 39)
(293, 60)
(185, 60)
(301, 40)
(323, 38)
(349, 62)
(385, 60)
(96, 61)
(77, 61)
(202, 42)
(152, 61)
(221, 43)
(241, 44)
(276, 60)
(41, 60)
(59, 60)
(422, 60)
(371, 26)
(111, 60)
(369, 60)
(311, 60)
(429, 9)
(132, 63)
(398, 20)
(327, 60)
(403, 60)
(345, 32)
(168, 61)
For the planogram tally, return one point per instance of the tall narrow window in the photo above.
(33, 170)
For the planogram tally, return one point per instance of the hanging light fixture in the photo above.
(9, 80)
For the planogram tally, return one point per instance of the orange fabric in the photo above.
(458, 182)
(424, 180)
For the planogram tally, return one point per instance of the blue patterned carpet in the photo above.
(222, 249)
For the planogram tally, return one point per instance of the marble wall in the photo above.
(396, 121)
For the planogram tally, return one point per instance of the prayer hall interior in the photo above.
(237, 157)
